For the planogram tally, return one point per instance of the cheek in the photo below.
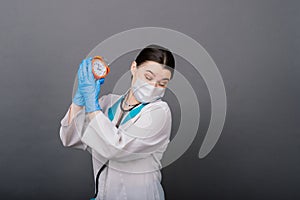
(134, 77)
(133, 80)
(141, 76)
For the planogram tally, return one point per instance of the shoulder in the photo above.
(158, 104)
(154, 121)
(161, 107)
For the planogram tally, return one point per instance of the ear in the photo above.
(133, 67)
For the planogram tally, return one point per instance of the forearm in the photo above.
(73, 110)
(120, 144)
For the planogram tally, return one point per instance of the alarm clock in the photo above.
(99, 67)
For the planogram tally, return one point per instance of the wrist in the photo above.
(91, 115)
(76, 106)
(92, 107)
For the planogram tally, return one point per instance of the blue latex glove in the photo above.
(78, 98)
(88, 87)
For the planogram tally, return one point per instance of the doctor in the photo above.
(125, 134)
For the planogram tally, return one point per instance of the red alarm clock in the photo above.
(99, 67)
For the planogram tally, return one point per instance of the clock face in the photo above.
(99, 68)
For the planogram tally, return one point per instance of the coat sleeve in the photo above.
(148, 134)
(71, 133)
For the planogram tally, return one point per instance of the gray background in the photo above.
(255, 45)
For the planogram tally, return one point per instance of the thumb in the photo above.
(102, 80)
(98, 83)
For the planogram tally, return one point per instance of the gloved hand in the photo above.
(78, 98)
(88, 87)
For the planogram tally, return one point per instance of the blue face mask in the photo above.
(145, 92)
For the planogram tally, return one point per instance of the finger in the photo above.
(98, 85)
(98, 82)
(80, 73)
(84, 69)
(89, 69)
(102, 81)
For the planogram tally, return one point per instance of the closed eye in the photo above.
(163, 84)
(148, 77)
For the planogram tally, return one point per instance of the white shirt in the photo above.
(134, 149)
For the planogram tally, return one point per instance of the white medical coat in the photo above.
(134, 149)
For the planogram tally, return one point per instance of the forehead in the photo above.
(156, 68)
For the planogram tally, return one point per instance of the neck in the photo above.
(131, 99)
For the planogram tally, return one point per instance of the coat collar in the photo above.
(130, 115)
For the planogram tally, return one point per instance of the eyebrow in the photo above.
(154, 74)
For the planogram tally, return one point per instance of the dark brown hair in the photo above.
(157, 54)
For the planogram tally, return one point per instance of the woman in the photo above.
(126, 134)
